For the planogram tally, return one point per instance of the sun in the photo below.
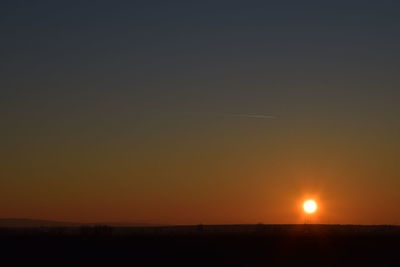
(310, 206)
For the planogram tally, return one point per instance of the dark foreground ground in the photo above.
(241, 245)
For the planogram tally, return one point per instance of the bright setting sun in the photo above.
(310, 206)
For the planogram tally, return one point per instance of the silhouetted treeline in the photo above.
(258, 229)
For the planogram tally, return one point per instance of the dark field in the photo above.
(239, 245)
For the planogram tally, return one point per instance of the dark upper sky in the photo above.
(153, 93)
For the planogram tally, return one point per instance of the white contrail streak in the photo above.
(253, 116)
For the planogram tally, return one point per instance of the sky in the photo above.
(187, 112)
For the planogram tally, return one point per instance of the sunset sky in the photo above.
(200, 111)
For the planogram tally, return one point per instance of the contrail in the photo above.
(237, 115)
(253, 116)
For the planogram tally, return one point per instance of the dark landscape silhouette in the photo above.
(202, 245)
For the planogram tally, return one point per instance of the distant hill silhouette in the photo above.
(20, 222)
(27, 223)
